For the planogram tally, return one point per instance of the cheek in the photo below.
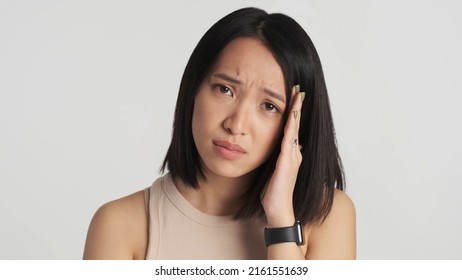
(268, 135)
(204, 115)
(197, 119)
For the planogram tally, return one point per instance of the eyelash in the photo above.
(221, 87)
(274, 109)
(265, 105)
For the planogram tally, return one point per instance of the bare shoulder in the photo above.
(118, 230)
(343, 205)
(335, 238)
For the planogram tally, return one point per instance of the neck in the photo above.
(216, 195)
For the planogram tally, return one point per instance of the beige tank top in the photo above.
(177, 230)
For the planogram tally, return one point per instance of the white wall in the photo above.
(88, 89)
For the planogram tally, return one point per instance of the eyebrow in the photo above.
(269, 92)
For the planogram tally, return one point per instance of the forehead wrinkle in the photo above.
(234, 80)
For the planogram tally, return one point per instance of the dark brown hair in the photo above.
(321, 169)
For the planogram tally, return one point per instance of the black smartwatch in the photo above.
(285, 234)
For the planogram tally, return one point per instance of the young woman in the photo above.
(253, 167)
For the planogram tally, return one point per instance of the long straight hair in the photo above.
(321, 169)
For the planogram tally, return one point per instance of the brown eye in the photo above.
(223, 89)
(270, 107)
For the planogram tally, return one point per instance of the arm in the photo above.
(335, 238)
(118, 230)
(277, 197)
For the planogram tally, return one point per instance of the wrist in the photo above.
(281, 220)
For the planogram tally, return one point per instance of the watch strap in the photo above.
(284, 234)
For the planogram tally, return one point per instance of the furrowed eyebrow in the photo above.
(269, 92)
(227, 78)
(276, 95)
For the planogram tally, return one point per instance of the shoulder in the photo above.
(335, 237)
(342, 206)
(118, 230)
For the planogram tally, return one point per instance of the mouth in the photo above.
(229, 150)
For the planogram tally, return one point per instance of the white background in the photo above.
(88, 90)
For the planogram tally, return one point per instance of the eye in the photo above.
(223, 89)
(270, 107)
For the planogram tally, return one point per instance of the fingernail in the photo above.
(297, 88)
(302, 94)
(295, 114)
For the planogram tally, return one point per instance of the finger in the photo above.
(294, 109)
(300, 96)
(297, 117)
(293, 121)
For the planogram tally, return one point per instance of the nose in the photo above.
(238, 120)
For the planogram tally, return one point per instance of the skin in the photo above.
(241, 101)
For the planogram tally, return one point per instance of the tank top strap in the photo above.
(151, 198)
(147, 192)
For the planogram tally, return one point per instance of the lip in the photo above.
(229, 150)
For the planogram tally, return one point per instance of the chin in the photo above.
(227, 170)
(229, 173)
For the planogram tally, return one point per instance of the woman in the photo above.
(253, 167)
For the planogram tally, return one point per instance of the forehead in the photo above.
(251, 60)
